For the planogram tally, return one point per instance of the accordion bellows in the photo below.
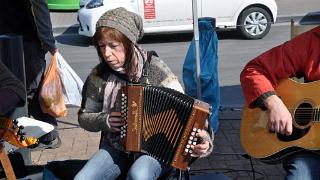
(162, 123)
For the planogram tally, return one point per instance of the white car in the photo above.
(252, 18)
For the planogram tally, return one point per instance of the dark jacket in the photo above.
(29, 18)
(12, 90)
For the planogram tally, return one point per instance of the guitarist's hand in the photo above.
(280, 119)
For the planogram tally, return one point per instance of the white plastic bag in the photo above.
(72, 83)
(33, 127)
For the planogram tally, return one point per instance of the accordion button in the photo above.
(193, 133)
(190, 151)
(194, 143)
(188, 146)
(195, 139)
(191, 137)
(186, 150)
(194, 129)
(199, 130)
(189, 142)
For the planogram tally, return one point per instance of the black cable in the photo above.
(250, 159)
(253, 174)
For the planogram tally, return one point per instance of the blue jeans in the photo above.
(302, 166)
(109, 163)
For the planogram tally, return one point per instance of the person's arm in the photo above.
(90, 115)
(9, 101)
(295, 58)
(12, 91)
(43, 24)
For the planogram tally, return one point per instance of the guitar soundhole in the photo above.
(302, 116)
(296, 134)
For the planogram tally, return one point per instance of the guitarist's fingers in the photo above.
(271, 126)
(283, 127)
(276, 127)
(289, 128)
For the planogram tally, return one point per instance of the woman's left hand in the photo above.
(203, 146)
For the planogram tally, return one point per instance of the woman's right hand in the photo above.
(280, 119)
(116, 121)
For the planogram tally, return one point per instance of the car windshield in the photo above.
(91, 2)
(95, 1)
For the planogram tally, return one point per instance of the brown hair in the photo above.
(114, 34)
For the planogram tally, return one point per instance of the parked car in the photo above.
(63, 4)
(252, 18)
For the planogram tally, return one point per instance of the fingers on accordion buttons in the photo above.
(193, 137)
(188, 147)
(192, 141)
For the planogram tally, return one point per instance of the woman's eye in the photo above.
(114, 45)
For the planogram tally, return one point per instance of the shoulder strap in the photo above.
(150, 54)
(147, 63)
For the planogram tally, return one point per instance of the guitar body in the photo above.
(302, 100)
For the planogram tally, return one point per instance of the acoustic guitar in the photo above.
(302, 101)
(13, 134)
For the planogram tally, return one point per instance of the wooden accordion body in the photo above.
(162, 123)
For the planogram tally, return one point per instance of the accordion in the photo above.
(162, 123)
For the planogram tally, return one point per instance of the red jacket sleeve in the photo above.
(299, 57)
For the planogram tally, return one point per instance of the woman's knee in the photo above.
(142, 174)
(145, 167)
(302, 166)
(99, 166)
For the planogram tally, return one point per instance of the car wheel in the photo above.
(254, 23)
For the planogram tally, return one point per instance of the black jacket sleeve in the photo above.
(12, 91)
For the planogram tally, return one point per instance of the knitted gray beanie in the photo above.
(127, 22)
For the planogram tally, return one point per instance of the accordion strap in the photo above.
(145, 71)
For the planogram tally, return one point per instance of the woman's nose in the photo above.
(107, 51)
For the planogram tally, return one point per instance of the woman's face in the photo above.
(113, 53)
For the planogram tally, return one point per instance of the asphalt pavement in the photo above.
(228, 156)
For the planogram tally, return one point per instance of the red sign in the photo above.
(149, 9)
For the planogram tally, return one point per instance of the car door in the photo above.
(165, 15)
(222, 10)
